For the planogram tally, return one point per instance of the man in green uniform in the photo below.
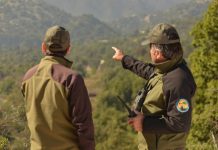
(165, 117)
(58, 108)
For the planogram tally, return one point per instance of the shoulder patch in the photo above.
(182, 105)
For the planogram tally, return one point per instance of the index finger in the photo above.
(115, 49)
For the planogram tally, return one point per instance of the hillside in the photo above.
(182, 16)
(108, 10)
(23, 22)
(190, 11)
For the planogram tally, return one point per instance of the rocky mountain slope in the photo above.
(23, 22)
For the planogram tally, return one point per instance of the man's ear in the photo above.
(43, 48)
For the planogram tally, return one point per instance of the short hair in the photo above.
(62, 53)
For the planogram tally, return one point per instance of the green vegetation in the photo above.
(110, 116)
(204, 64)
(13, 130)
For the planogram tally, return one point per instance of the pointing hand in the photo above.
(118, 54)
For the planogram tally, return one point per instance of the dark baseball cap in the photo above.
(163, 34)
(57, 39)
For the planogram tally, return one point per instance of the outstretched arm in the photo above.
(140, 68)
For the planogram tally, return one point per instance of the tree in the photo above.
(204, 65)
(110, 116)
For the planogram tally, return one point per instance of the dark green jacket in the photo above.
(167, 106)
(58, 108)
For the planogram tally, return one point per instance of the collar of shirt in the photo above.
(168, 65)
(58, 59)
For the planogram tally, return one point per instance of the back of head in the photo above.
(57, 39)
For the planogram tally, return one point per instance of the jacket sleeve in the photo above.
(140, 68)
(178, 93)
(82, 114)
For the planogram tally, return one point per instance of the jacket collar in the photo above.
(57, 59)
(168, 65)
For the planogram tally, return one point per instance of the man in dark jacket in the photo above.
(58, 108)
(165, 117)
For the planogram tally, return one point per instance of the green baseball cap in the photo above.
(57, 39)
(163, 34)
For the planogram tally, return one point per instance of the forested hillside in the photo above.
(23, 23)
(187, 13)
(108, 10)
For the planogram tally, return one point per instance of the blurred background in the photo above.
(95, 26)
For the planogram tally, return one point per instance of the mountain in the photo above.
(87, 27)
(183, 17)
(24, 22)
(181, 13)
(108, 10)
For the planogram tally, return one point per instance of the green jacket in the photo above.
(58, 108)
(167, 106)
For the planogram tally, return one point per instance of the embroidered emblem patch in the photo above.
(182, 105)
